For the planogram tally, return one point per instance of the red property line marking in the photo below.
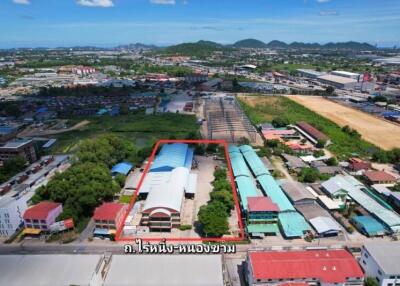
(146, 170)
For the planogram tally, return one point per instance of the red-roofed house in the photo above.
(314, 267)
(379, 177)
(109, 215)
(312, 133)
(356, 164)
(42, 215)
(261, 209)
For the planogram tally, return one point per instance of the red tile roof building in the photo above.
(312, 131)
(261, 210)
(42, 215)
(322, 267)
(109, 215)
(261, 204)
(379, 177)
(356, 164)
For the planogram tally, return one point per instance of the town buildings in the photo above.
(307, 267)
(39, 217)
(380, 260)
(23, 148)
(108, 217)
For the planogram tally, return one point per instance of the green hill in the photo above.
(250, 43)
(198, 49)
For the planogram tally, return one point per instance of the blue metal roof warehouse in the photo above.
(291, 222)
(172, 156)
(121, 168)
(368, 225)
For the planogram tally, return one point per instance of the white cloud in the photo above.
(163, 2)
(323, 1)
(95, 3)
(23, 2)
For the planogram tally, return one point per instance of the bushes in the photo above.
(185, 227)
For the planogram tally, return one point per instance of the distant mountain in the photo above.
(277, 45)
(250, 43)
(349, 46)
(135, 46)
(198, 49)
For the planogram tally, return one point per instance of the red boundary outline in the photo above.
(146, 170)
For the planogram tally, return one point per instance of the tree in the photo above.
(212, 148)
(330, 90)
(308, 175)
(320, 143)
(243, 141)
(120, 179)
(370, 281)
(220, 173)
(332, 161)
(280, 122)
(221, 184)
(272, 143)
(318, 153)
(225, 197)
(214, 219)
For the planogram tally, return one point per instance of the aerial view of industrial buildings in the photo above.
(200, 163)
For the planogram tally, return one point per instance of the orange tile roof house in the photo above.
(379, 177)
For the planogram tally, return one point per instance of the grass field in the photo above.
(140, 128)
(262, 109)
(375, 130)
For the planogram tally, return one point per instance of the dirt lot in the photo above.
(377, 131)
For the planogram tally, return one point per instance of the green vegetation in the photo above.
(88, 182)
(370, 281)
(125, 199)
(199, 49)
(332, 161)
(311, 175)
(185, 227)
(343, 145)
(213, 217)
(11, 167)
(137, 127)
(392, 156)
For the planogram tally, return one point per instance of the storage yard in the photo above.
(377, 131)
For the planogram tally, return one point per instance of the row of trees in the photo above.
(11, 167)
(88, 182)
(214, 216)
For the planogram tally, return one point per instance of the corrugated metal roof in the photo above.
(325, 225)
(239, 166)
(256, 165)
(171, 193)
(355, 191)
(246, 188)
(172, 156)
(293, 224)
(327, 266)
(272, 189)
(370, 225)
(122, 168)
(386, 254)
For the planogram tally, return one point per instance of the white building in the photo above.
(380, 260)
(347, 74)
(338, 81)
(11, 210)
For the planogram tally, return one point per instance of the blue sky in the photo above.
(32, 23)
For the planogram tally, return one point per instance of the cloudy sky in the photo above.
(32, 23)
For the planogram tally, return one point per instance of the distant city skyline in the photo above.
(107, 23)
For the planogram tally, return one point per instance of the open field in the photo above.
(377, 131)
(142, 129)
(262, 109)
